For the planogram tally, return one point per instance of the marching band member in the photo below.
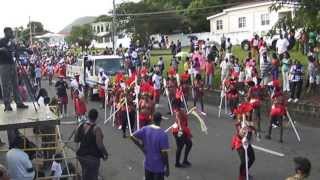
(278, 110)
(241, 141)
(199, 92)
(128, 94)
(182, 134)
(232, 94)
(255, 98)
(156, 80)
(171, 85)
(185, 78)
(146, 106)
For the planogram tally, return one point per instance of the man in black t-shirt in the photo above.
(61, 87)
(8, 71)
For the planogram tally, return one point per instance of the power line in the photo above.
(178, 10)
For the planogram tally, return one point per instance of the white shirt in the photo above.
(282, 45)
(225, 67)
(134, 55)
(156, 79)
(41, 101)
(18, 162)
(74, 84)
(56, 167)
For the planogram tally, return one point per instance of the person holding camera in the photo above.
(8, 72)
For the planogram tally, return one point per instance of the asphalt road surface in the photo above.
(211, 155)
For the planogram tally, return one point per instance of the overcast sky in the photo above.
(54, 14)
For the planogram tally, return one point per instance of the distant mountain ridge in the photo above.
(78, 22)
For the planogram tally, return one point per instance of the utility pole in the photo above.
(114, 27)
(30, 30)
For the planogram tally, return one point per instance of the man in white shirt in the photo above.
(156, 79)
(282, 45)
(225, 69)
(19, 164)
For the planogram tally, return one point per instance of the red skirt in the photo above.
(256, 103)
(277, 110)
(144, 118)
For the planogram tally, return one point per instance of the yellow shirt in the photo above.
(186, 66)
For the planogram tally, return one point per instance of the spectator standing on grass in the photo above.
(225, 69)
(223, 42)
(265, 69)
(282, 46)
(92, 149)
(275, 67)
(255, 45)
(285, 67)
(161, 64)
(296, 81)
(209, 71)
(311, 84)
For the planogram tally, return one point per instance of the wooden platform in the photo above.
(26, 118)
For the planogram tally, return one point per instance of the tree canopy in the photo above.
(307, 14)
(82, 35)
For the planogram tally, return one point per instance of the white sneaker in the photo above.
(203, 113)
(296, 100)
(290, 100)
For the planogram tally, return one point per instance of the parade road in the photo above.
(211, 155)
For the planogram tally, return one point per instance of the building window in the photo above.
(219, 25)
(242, 22)
(102, 29)
(265, 20)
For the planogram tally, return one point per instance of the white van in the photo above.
(110, 64)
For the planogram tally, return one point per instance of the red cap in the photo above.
(185, 76)
(244, 108)
(119, 77)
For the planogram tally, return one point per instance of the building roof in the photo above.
(250, 4)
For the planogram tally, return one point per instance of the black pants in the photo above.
(296, 88)
(153, 176)
(233, 103)
(256, 117)
(90, 167)
(38, 81)
(276, 120)
(242, 156)
(198, 98)
(181, 142)
(124, 123)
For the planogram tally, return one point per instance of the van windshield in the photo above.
(110, 66)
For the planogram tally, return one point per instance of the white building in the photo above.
(241, 22)
(103, 36)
